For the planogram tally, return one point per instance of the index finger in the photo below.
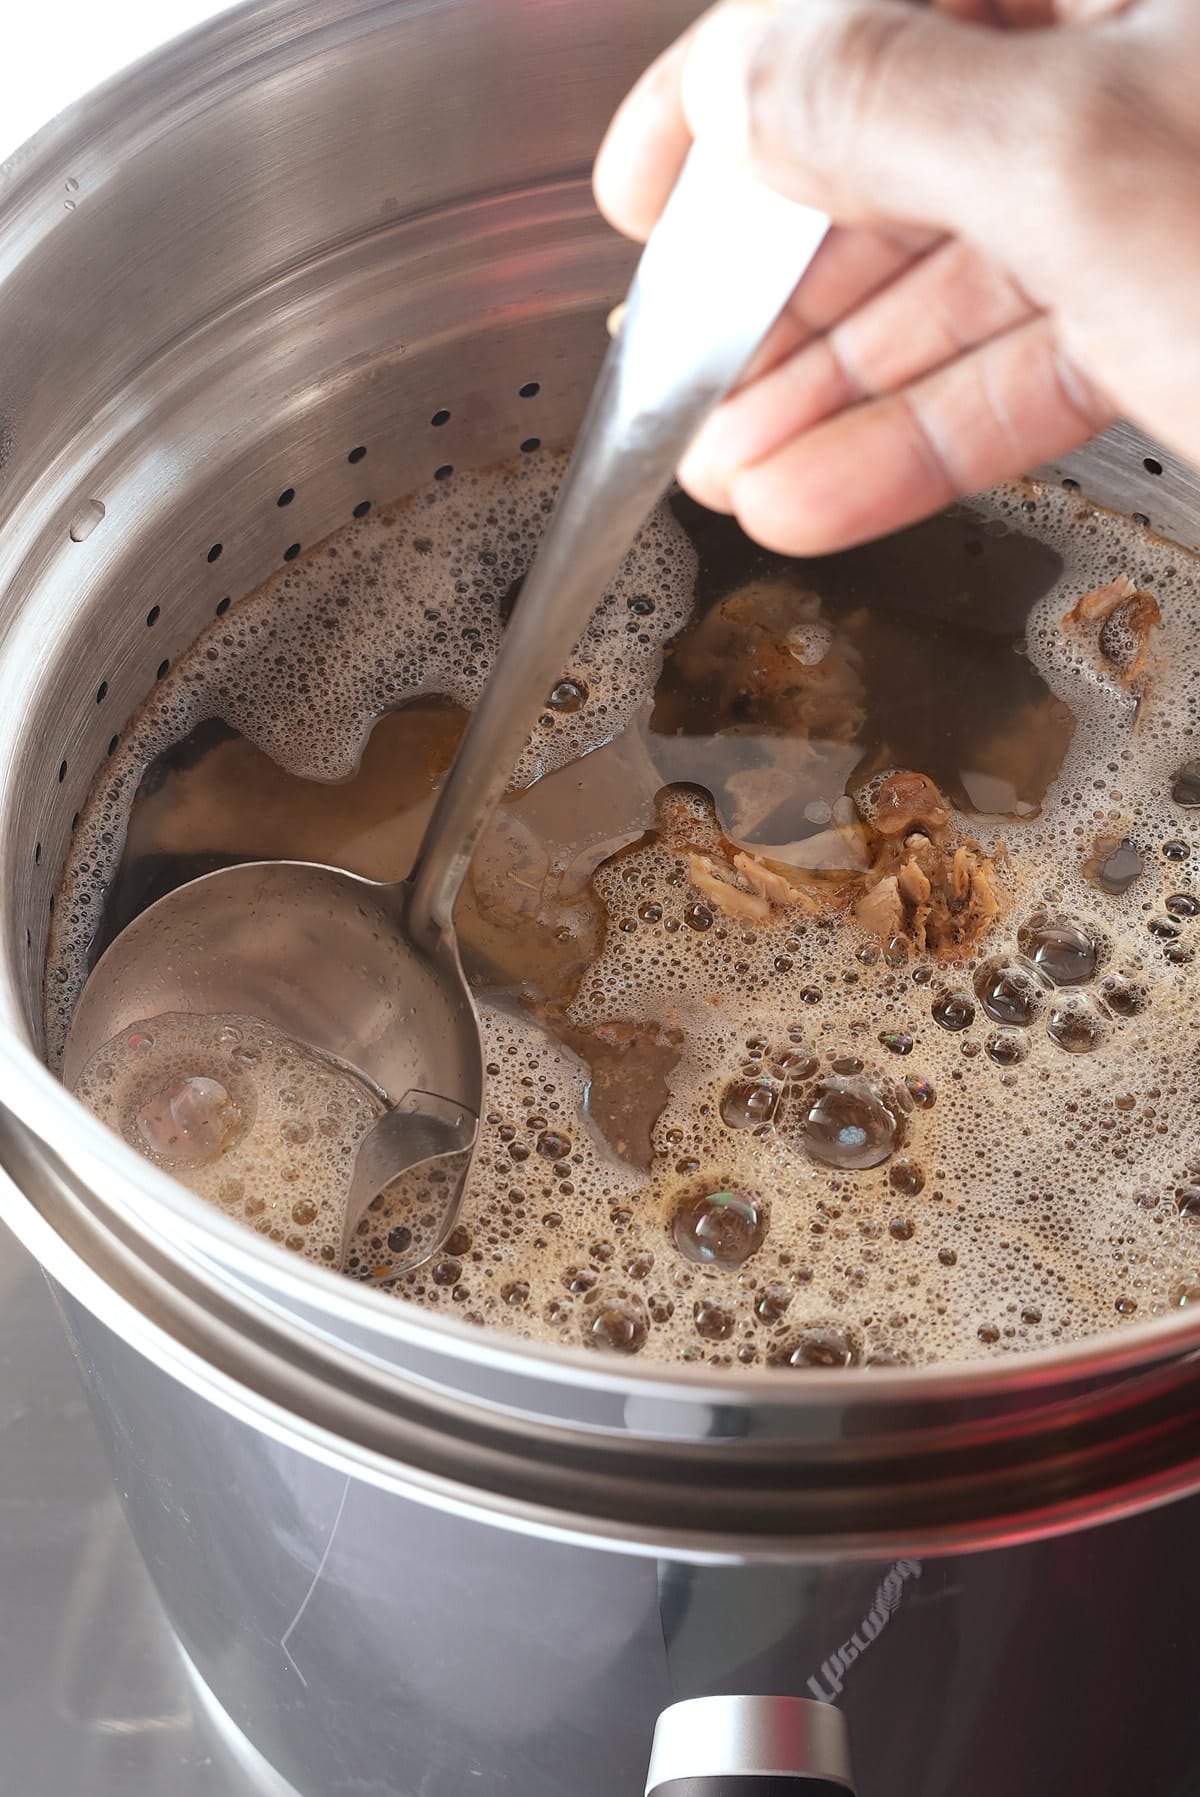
(645, 146)
(648, 138)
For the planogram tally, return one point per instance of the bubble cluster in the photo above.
(860, 1157)
(249, 1119)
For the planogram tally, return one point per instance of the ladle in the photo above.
(369, 973)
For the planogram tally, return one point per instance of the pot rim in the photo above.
(687, 1498)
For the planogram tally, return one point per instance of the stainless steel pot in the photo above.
(404, 1555)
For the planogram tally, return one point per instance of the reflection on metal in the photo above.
(736, 1737)
(828, 1687)
(261, 1777)
(96, 1699)
(104, 1679)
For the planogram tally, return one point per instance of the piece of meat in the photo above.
(984, 901)
(928, 885)
(906, 799)
(960, 873)
(727, 896)
(880, 910)
(769, 888)
(764, 880)
(914, 883)
(1126, 616)
(746, 661)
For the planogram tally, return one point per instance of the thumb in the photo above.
(877, 108)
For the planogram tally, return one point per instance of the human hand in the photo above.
(1016, 259)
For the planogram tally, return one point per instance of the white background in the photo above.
(52, 51)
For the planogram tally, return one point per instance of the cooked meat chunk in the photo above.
(1126, 616)
(725, 893)
(880, 910)
(905, 800)
(926, 884)
(748, 889)
(914, 883)
(749, 660)
(961, 871)
(764, 880)
(984, 902)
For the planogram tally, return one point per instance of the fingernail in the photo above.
(716, 85)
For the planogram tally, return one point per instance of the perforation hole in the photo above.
(1152, 465)
(444, 472)
(102, 692)
(362, 508)
(440, 417)
(530, 390)
(153, 615)
(215, 552)
(291, 552)
(530, 444)
(1141, 518)
(356, 455)
(287, 496)
(164, 668)
(62, 772)
(223, 605)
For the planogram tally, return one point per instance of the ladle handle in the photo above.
(711, 281)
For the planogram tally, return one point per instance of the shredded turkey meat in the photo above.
(748, 889)
(765, 881)
(927, 886)
(922, 881)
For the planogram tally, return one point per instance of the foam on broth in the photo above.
(707, 1137)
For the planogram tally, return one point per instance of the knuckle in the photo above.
(820, 73)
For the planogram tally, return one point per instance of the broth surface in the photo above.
(729, 1116)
